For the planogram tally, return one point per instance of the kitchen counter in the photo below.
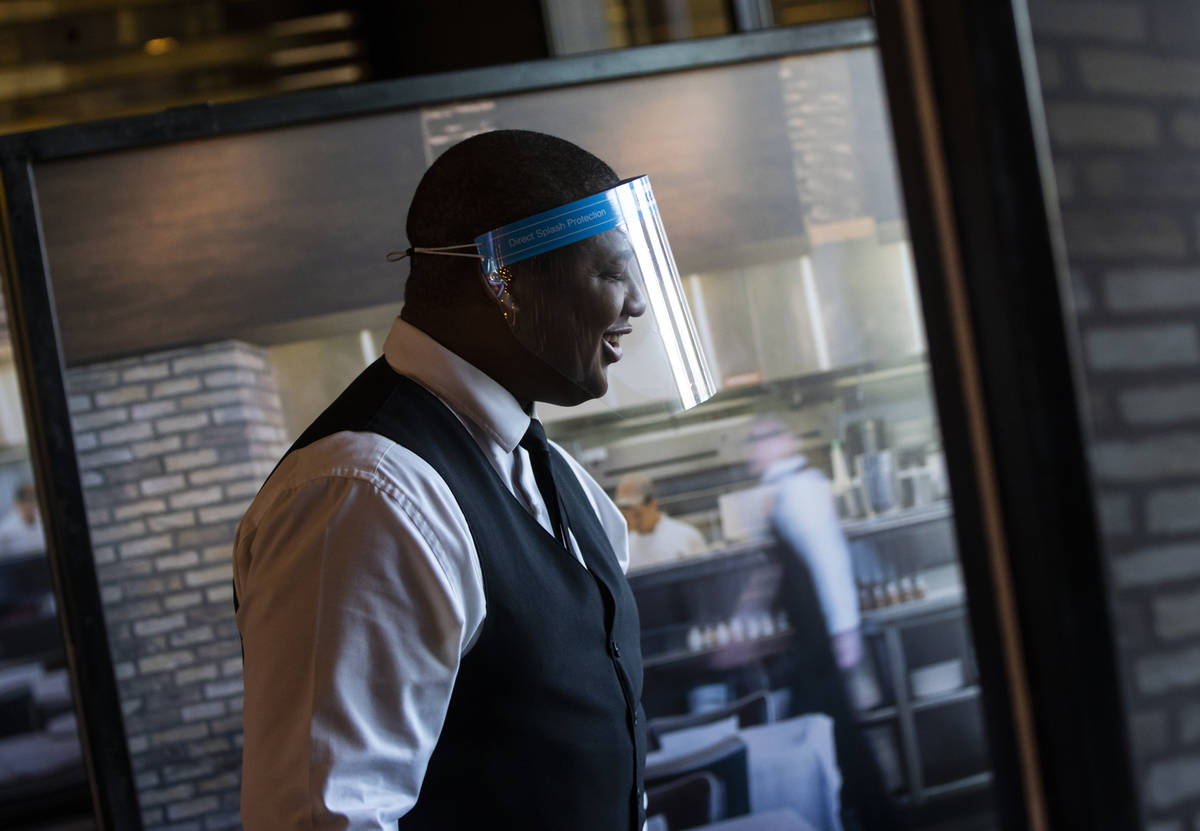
(853, 529)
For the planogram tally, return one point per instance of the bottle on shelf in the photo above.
(879, 594)
(737, 629)
(866, 601)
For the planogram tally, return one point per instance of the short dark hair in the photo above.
(480, 184)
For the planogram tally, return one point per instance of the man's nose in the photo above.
(635, 298)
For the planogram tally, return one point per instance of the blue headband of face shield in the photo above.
(630, 207)
(561, 226)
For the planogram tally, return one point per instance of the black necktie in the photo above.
(538, 448)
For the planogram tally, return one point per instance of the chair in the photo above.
(724, 760)
(750, 710)
(656, 822)
(687, 802)
(18, 712)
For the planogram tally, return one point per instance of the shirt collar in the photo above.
(784, 468)
(465, 388)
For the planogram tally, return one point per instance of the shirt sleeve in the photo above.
(806, 518)
(357, 601)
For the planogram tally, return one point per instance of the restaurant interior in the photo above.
(779, 183)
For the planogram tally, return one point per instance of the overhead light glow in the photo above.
(331, 21)
(161, 46)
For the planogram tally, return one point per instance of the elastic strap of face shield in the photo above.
(445, 251)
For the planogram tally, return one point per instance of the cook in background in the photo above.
(654, 537)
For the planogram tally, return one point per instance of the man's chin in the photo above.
(595, 386)
(572, 394)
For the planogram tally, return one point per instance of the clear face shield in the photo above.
(591, 287)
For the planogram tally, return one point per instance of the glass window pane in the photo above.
(816, 613)
(42, 774)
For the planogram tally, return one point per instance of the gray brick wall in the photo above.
(172, 448)
(1121, 82)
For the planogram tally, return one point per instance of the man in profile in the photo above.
(654, 537)
(437, 630)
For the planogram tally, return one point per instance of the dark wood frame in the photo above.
(967, 118)
(984, 168)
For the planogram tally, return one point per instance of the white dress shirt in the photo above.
(806, 517)
(360, 591)
(668, 541)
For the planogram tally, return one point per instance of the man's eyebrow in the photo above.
(618, 259)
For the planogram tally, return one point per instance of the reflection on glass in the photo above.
(42, 776)
(807, 657)
(638, 22)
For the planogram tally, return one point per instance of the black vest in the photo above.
(545, 728)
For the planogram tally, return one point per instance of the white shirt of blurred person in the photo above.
(654, 537)
(805, 517)
(21, 528)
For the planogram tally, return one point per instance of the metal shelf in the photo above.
(703, 565)
(722, 657)
(900, 518)
(888, 624)
(967, 783)
(890, 711)
(946, 600)
(968, 693)
(878, 714)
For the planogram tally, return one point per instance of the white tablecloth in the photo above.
(793, 766)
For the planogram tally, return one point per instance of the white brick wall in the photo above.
(176, 445)
(1121, 82)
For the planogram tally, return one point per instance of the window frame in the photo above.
(937, 68)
